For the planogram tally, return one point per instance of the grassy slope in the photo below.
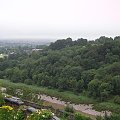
(66, 96)
(115, 108)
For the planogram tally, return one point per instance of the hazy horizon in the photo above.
(53, 39)
(58, 19)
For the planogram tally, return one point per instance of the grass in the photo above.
(115, 108)
(66, 96)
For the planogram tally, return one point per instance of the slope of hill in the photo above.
(81, 66)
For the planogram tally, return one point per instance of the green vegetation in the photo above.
(76, 66)
(115, 108)
(69, 108)
(78, 116)
(9, 113)
(27, 89)
(41, 115)
(1, 100)
(117, 99)
(112, 117)
(66, 95)
(89, 69)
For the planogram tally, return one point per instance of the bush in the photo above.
(117, 99)
(114, 117)
(99, 118)
(78, 116)
(69, 108)
(66, 115)
(1, 100)
(41, 115)
(8, 113)
(20, 115)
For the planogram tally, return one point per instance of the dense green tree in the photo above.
(87, 76)
(93, 88)
(105, 90)
(104, 39)
(80, 65)
(80, 86)
(116, 85)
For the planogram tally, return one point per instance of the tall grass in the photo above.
(115, 108)
(66, 95)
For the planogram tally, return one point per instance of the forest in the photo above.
(80, 66)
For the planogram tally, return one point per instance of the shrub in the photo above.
(117, 99)
(78, 116)
(6, 113)
(69, 108)
(20, 115)
(41, 115)
(1, 100)
(99, 118)
(114, 117)
(66, 115)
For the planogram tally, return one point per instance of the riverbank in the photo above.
(80, 103)
(65, 95)
(84, 108)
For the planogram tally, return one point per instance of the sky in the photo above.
(56, 19)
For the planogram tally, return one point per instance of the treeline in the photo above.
(81, 65)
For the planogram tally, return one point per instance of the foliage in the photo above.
(20, 115)
(69, 108)
(8, 113)
(103, 106)
(1, 100)
(78, 116)
(41, 115)
(114, 117)
(93, 87)
(111, 117)
(117, 99)
(76, 66)
(28, 89)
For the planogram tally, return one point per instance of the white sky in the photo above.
(59, 18)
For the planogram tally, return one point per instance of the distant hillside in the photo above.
(81, 65)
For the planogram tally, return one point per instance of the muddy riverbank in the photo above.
(87, 109)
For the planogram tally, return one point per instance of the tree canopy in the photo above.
(79, 65)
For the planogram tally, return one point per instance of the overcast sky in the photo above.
(59, 18)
